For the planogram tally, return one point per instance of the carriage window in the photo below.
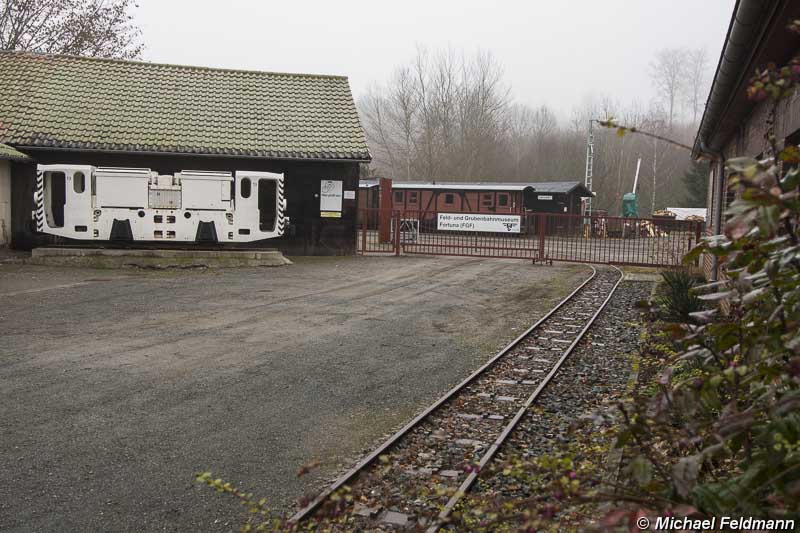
(412, 197)
(55, 196)
(78, 182)
(486, 199)
(267, 204)
(448, 199)
(245, 188)
(398, 196)
(502, 200)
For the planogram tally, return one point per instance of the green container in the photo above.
(629, 207)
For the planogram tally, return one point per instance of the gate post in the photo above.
(396, 215)
(364, 215)
(385, 210)
(541, 221)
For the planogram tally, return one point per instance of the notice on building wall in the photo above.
(349, 195)
(330, 197)
(545, 197)
(483, 223)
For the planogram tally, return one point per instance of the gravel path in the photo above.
(120, 385)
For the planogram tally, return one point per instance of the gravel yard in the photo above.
(119, 385)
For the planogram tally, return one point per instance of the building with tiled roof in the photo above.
(103, 112)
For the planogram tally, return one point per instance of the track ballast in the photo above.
(415, 478)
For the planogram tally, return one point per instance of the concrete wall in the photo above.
(5, 202)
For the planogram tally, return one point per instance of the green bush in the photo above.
(678, 299)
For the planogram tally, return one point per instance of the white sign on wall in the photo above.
(545, 197)
(484, 223)
(330, 196)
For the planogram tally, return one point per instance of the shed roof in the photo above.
(463, 185)
(682, 212)
(367, 183)
(7, 152)
(84, 103)
(554, 187)
(561, 187)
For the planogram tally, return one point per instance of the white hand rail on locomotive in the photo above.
(113, 203)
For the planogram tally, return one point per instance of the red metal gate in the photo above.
(535, 236)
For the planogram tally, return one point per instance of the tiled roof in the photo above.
(6, 152)
(102, 104)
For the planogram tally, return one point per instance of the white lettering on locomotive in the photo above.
(109, 203)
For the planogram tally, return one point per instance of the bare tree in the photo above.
(544, 123)
(97, 28)
(448, 116)
(696, 87)
(482, 107)
(668, 74)
(520, 135)
(442, 117)
(376, 117)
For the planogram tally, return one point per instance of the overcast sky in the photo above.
(554, 52)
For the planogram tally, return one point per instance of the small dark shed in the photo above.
(557, 197)
(101, 112)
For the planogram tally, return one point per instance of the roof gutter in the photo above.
(744, 33)
(193, 154)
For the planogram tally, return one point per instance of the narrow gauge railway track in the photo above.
(416, 477)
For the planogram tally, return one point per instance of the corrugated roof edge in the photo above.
(173, 65)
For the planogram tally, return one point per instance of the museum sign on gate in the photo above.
(482, 223)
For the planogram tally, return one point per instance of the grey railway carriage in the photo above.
(136, 204)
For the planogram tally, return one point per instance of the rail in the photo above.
(578, 296)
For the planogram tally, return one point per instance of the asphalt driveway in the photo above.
(119, 385)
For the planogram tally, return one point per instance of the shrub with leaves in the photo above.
(724, 439)
(678, 299)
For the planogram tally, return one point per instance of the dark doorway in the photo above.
(267, 198)
(528, 198)
(55, 196)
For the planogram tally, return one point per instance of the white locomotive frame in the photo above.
(157, 207)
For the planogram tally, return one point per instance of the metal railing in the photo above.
(532, 236)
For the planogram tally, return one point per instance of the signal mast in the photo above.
(587, 204)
